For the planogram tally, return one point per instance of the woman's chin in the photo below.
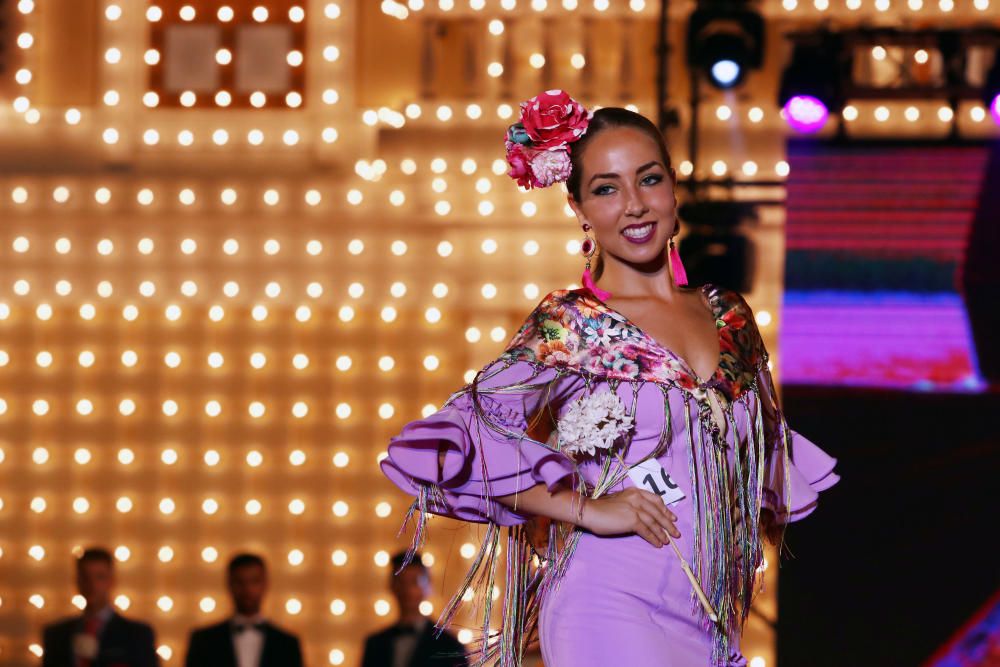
(648, 256)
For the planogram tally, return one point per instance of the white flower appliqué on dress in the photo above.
(593, 422)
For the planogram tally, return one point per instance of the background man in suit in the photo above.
(246, 639)
(410, 642)
(100, 637)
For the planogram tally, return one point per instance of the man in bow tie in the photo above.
(246, 639)
(410, 642)
(100, 637)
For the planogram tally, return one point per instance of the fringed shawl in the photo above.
(573, 333)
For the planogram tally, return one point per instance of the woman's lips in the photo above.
(640, 233)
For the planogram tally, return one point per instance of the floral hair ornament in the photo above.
(538, 144)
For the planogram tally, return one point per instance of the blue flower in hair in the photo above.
(517, 134)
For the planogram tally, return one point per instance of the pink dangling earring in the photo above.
(676, 266)
(588, 248)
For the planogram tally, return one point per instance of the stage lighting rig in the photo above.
(810, 87)
(725, 40)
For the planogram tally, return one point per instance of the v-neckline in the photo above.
(681, 360)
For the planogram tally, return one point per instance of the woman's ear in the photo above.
(575, 206)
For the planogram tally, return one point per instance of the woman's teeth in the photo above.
(638, 232)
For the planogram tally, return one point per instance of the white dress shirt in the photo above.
(248, 642)
(86, 646)
(404, 645)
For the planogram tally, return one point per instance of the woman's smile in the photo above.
(640, 232)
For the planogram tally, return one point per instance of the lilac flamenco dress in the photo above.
(597, 600)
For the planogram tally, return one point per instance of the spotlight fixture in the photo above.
(725, 40)
(810, 85)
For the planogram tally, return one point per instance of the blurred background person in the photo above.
(100, 637)
(246, 639)
(411, 641)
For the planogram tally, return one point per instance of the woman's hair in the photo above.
(605, 118)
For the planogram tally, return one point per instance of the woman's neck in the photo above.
(638, 281)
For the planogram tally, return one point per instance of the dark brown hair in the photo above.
(245, 560)
(95, 555)
(603, 119)
(400, 556)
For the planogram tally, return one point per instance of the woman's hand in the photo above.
(632, 510)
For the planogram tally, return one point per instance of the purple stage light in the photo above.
(995, 109)
(806, 113)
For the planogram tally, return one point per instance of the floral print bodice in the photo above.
(576, 330)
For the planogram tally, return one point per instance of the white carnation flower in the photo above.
(593, 422)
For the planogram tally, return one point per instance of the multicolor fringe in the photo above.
(727, 553)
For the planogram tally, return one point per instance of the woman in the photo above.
(639, 416)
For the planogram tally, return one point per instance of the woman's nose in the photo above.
(635, 205)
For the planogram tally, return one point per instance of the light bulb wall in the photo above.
(212, 324)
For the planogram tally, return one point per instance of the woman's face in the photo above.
(626, 196)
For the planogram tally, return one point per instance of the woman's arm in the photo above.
(632, 510)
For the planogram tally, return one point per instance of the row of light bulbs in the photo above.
(259, 312)
(216, 313)
(314, 248)
(173, 312)
(231, 289)
(222, 98)
(223, 56)
(945, 6)
(723, 112)
(336, 656)
(400, 10)
(224, 14)
(128, 407)
(207, 604)
(229, 196)
(256, 360)
(209, 506)
(41, 456)
(212, 457)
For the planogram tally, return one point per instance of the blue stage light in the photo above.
(725, 73)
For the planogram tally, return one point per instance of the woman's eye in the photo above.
(652, 179)
(603, 190)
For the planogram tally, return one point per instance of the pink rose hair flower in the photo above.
(554, 119)
(538, 145)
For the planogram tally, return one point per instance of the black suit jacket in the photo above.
(431, 651)
(121, 642)
(213, 647)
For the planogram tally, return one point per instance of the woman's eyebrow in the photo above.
(614, 175)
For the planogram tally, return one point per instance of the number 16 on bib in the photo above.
(650, 475)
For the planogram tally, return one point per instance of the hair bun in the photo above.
(538, 144)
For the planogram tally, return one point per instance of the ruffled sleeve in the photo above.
(796, 470)
(481, 435)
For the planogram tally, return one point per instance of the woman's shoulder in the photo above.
(725, 300)
(565, 305)
(737, 322)
(554, 330)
